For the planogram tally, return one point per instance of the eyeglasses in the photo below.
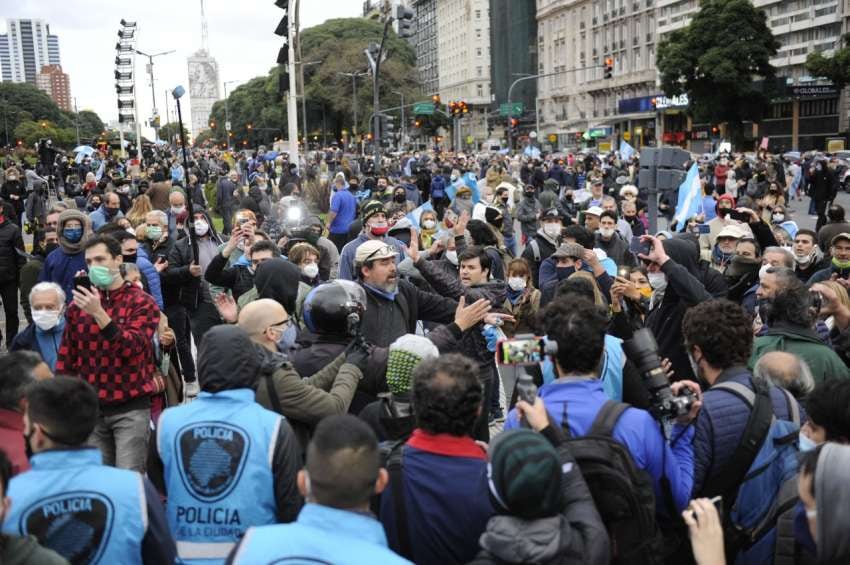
(384, 249)
(281, 326)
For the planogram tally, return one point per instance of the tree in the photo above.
(835, 68)
(171, 132)
(204, 136)
(338, 44)
(722, 61)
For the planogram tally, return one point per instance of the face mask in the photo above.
(45, 319)
(841, 264)
(379, 230)
(110, 211)
(552, 229)
(310, 270)
(429, 224)
(73, 235)
(130, 257)
(453, 178)
(176, 210)
(50, 247)
(763, 270)
(287, 339)
(723, 212)
(607, 233)
(658, 281)
(646, 291)
(564, 273)
(201, 228)
(101, 276)
(778, 218)
(399, 198)
(529, 195)
(154, 233)
(694, 364)
(806, 444)
(452, 257)
(516, 283)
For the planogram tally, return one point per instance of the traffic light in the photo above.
(436, 100)
(464, 108)
(513, 127)
(417, 123)
(715, 130)
(608, 67)
(212, 124)
(404, 15)
(250, 127)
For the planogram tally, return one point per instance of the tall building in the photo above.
(425, 44)
(25, 48)
(463, 59)
(56, 84)
(513, 52)
(203, 81)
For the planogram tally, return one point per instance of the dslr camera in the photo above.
(642, 349)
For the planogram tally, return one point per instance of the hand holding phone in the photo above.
(83, 281)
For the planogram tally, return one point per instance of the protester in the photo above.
(44, 334)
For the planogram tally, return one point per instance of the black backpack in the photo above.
(623, 494)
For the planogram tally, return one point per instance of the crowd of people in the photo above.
(427, 357)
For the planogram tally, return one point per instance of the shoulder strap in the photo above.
(535, 249)
(272, 392)
(607, 418)
(793, 406)
(395, 468)
(727, 481)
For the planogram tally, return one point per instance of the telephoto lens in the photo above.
(642, 349)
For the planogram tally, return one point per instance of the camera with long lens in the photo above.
(643, 351)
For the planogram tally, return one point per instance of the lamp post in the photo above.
(153, 89)
(178, 92)
(354, 77)
(226, 113)
(402, 115)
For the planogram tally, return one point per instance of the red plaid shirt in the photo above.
(117, 360)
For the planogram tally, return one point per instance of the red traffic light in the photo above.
(608, 68)
(436, 99)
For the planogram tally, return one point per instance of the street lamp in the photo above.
(403, 129)
(153, 90)
(304, 92)
(354, 77)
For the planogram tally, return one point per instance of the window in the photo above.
(480, 71)
(477, 51)
(477, 34)
(480, 89)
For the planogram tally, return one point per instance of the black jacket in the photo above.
(684, 289)
(179, 286)
(546, 249)
(12, 256)
(237, 278)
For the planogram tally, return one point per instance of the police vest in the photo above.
(83, 510)
(217, 453)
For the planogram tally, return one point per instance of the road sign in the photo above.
(512, 109)
(227, 126)
(423, 108)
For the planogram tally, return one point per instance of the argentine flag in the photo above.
(690, 198)
(626, 151)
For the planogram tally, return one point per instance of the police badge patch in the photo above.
(211, 457)
(76, 525)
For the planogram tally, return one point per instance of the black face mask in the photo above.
(130, 257)
(399, 198)
(50, 247)
(27, 446)
(529, 195)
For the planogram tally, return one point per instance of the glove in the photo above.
(358, 354)
(490, 334)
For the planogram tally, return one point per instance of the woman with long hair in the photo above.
(137, 213)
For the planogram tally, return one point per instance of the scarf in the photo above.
(381, 292)
(718, 257)
(515, 295)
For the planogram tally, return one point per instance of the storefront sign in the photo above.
(651, 103)
(595, 133)
(664, 102)
(819, 90)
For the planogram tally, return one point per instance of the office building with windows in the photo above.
(25, 48)
(56, 84)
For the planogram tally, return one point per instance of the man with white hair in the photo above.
(227, 199)
(785, 370)
(44, 334)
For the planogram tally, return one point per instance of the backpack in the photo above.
(535, 249)
(438, 187)
(623, 494)
(759, 483)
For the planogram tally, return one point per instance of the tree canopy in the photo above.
(337, 45)
(836, 68)
(722, 61)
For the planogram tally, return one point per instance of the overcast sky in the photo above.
(241, 37)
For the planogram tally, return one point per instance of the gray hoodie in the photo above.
(832, 497)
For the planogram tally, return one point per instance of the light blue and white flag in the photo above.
(690, 198)
(416, 214)
(626, 151)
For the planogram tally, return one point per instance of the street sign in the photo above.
(423, 108)
(553, 138)
(512, 109)
(227, 126)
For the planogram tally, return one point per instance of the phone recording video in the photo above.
(527, 351)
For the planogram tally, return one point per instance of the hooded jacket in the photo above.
(805, 344)
(833, 498)
(63, 263)
(12, 256)
(278, 279)
(684, 289)
(227, 360)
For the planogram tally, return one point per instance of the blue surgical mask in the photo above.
(564, 273)
(73, 235)
(806, 444)
(287, 338)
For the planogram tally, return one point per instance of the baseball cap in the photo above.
(373, 250)
(551, 213)
(845, 236)
(572, 250)
(594, 211)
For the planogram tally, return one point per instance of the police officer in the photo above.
(225, 462)
(72, 503)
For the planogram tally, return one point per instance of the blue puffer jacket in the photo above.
(721, 423)
(60, 268)
(143, 261)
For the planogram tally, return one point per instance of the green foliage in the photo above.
(339, 45)
(171, 132)
(722, 61)
(835, 68)
(204, 136)
(29, 132)
(430, 124)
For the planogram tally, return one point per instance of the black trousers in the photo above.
(202, 319)
(9, 295)
(178, 320)
(820, 210)
(339, 239)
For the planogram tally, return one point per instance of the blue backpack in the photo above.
(438, 187)
(759, 483)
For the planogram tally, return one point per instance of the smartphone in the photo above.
(526, 351)
(740, 216)
(82, 280)
(644, 247)
(701, 229)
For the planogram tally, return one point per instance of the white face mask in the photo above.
(429, 224)
(452, 257)
(763, 270)
(607, 233)
(178, 209)
(516, 283)
(658, 281)
(310, 270)
(201, 228)
(46, 319)
(552, 229)
(779, 218)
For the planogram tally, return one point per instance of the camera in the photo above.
(524, 350)
(642, 349)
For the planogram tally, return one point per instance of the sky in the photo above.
(241, 39)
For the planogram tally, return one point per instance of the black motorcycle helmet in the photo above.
(335, 308)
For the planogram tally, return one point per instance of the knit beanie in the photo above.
(405, 354)
(524, 475)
